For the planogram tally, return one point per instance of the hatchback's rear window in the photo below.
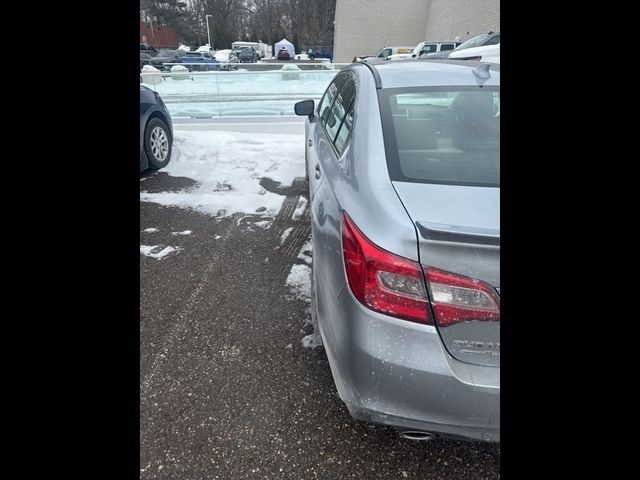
(443, 136)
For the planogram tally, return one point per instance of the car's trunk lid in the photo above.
(458, 231)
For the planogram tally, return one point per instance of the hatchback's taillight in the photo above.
(382, 281)
(456, 298)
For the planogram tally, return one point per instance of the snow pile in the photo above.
(155, 251)
(151, 76)
(299, 211)
(309, 341)
(285, 234)
(150, 230)
(186, 232)
(299, 282)
(228, 166)
(182, 70)
(222, 55)
(306, 252)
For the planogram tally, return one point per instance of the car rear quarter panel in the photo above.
(358, 183)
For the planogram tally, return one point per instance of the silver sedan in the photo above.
(403, 161)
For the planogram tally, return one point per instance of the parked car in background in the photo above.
(403, 162)
(491, 38)
(228, 59)
(200, 61)
(247, 55)
(261, 49)
(167, 56)
(424, 48)
(283, 54)
(386, 52)
(321, 53)
(488, 53)
(148, 49)
(156, 131)
(145, 59)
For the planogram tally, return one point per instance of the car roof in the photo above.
(428, 72)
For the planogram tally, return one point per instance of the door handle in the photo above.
(317, 170)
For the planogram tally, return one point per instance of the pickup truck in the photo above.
(424, 48)
(386, 52)
(321, 53)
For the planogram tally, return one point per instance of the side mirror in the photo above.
(304, 108)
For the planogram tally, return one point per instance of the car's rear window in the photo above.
(443, 136)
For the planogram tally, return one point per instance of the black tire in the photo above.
(156, 161)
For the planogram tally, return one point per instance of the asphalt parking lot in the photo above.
(227, 389)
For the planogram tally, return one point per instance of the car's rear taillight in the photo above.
(382, 281)
(456, 298)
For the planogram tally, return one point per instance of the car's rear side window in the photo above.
(336, 110)
(448, 136)
(329, 96)
(341, 105)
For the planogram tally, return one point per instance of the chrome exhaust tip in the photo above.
(417, 435)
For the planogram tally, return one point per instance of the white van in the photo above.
(264, 51)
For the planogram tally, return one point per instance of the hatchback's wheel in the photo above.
(157, 143)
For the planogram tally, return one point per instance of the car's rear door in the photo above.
(332, 135)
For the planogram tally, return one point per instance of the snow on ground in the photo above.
(186, 232)
(285, 234)
(299, 282)
(306, 252)
(263, 223)
(297, 214)
(150, 230)
(228, 166)
(155, 251)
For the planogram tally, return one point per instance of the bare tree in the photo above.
(306, 23)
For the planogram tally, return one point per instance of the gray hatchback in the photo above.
(403, 161)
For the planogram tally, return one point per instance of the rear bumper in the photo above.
(398, 373)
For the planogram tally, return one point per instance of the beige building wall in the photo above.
(362, 27)
(447, 19)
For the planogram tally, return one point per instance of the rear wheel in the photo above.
(157, 143)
